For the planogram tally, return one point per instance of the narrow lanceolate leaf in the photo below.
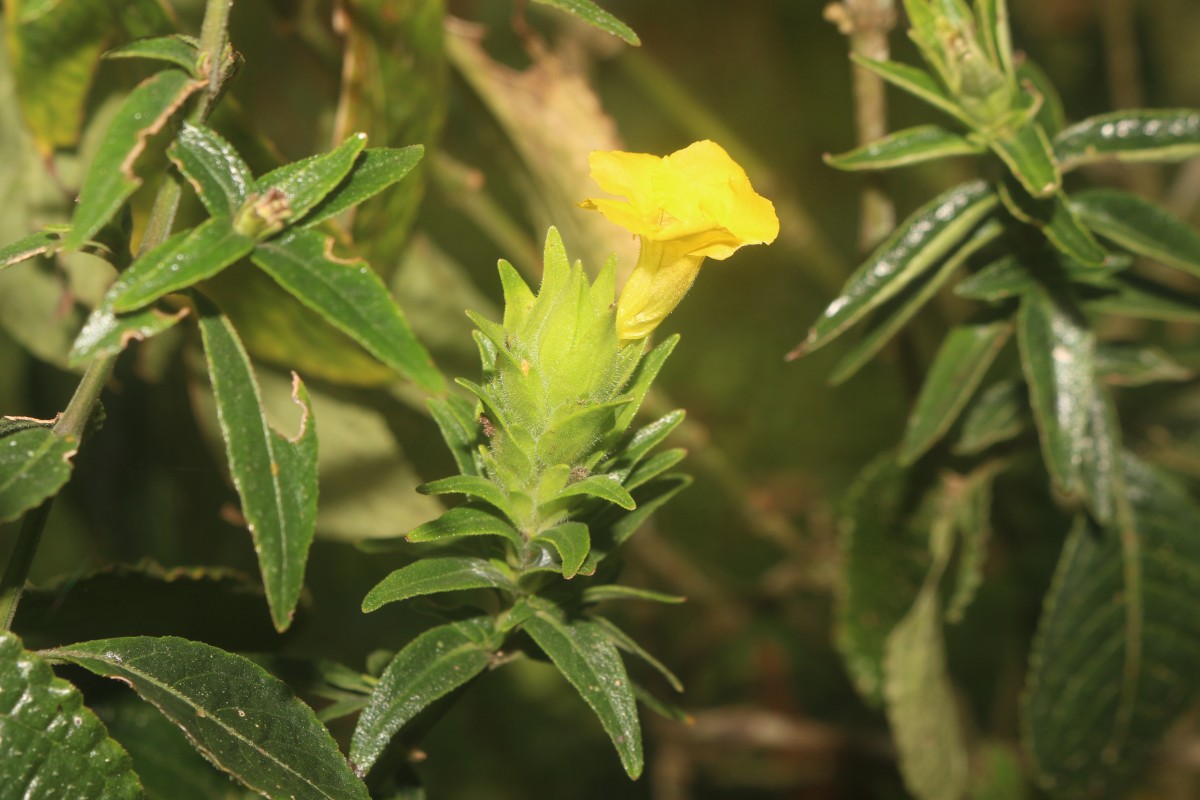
(30, 247)
(900, 149)
(306, 182)
(922, 707)
(435, 575)
(999, 413)
(604, 487)
(213, 168)
(961, 363)
(1050, 113)
(625, 642)
(182, 51)
(897, 310)
(183, 260)
(884, 559)
(1131, 364)
(1029, 157)
(1134, 296)
(1150, 134)
(593, 14)
(615, 591)
(465, 521)
(970, 507)
(642, 442)
(1118, 645)
(919, 243)
(1055, 218)
(647, 370)
(53, 745)
(110, 178)
(993, 27)
(916, 82)
(375, 170)
(351, 297)
(275, 477)
(590, 662)
(472, 486)
(238, 716)
(106, 333)
(428, 668)
(571, 541)
(1140, 226)
(1057, 356)
(34, 464)
(1003, 278)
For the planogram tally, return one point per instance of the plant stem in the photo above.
(867, 24)
(74, 420)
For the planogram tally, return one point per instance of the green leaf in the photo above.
(624, 641)
(182, 51)
(614, 591)
(649, 498)
(375, 170)
(1050, 114)
(1132, 364)
(11, 425)
(38, 244)
(435, 575)
(110, 178)
(959, 367)
(1057, 221)
(181, 261)
(54, 747)
(645, 373)
(919, 243)
(654, 466)
(456, 419)
(606, 487)
(351, 297)
(34, 464)
(1029, 157)
(922, 706)
(916, 82)
(242, 719)
(428, 668)
(275, 476)
(465, 521)
(572, 541)
(589, 661)
(1142, 298)
(106, 334)
(903, 148)
(1148, 134)
(970, 508)
(1003, 278)
(594, 15)
(993, 29)
(472, 486)
(307, 182)
(1116, 653)
(642, 442)
(898, 309)
(1057, 356)
(883, 535)
(1140, 226)
(213, 168)
(999, 413)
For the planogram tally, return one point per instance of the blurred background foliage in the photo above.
(509, 100)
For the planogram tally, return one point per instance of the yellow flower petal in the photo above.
(694, 204)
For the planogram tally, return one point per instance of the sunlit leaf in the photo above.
(1028, 155)
(307, 182)
(571, 540)
(106, 333)
(376, 169)
(215, 170)
(53, 745)
(593, 14)
(465, 521)
(242, 719)
(30, 247)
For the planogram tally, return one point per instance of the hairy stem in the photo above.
(214, 38)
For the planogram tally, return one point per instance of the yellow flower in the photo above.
(694, 204)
